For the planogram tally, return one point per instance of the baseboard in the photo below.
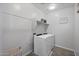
(65, 48)
(27, 53)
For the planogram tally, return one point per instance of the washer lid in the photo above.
(46, 36)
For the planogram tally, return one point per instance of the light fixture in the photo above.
(52, 6)
(17, 7)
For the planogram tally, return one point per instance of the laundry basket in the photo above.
(15, 51)
(12, 52)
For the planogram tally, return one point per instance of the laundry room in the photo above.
(39, 29)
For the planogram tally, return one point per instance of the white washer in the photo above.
(43, 44)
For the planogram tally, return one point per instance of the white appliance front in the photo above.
(43, 44)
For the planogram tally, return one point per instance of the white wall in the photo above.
(63, 32)
(1, 35)
(18, 31)
(76, 39)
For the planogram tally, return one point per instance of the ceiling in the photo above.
(44, 7)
